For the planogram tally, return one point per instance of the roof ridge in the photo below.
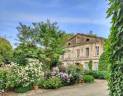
(89, 35)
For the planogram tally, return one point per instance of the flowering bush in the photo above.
(75, 73)
(52, 83)
(64, 77)
(2, 79)
(22, 76)
(30, 74)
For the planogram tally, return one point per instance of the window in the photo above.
(95, 66)
(69, 44)
(86, 66)
(77, 64)
(82, 52)
(87, 52)
(87, 40)
(78, 52)
(69, 54)
(63, 57)
(97, 50)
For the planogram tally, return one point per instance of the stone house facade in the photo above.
(81, 49)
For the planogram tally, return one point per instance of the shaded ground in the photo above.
(99, 88)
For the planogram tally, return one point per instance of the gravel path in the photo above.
(99, 88)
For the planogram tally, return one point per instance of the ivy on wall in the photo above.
(115, 11)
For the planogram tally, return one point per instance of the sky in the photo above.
(72, 16)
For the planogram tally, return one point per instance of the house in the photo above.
(83, 48)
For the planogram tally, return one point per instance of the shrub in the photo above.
(104, 61)
(40, 82)
(6, 51)
(65, 78)
(88, 79)
(21, 89)
(75, 73)
(97, 74)
(52, 83)
(2, 79)
(29, 74)
(18, 77)
(7, 79)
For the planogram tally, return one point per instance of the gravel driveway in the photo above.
(99, 88)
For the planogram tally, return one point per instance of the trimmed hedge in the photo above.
(21, 89)
(51, 83)
(88, 79)
(97, 74)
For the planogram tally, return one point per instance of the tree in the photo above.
(23, 52)
(51, 39)
(116, 47)
(6, 51)
(27, 47)
(46, 38)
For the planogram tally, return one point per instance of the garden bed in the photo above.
(98, 88)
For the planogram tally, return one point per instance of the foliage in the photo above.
(2, 79)
(30, 74)
(75, 73)
(65, 78)
(88, 78)
(45, 36)
(102, 62)
(7, 78)
(25, 51)
(5, 51)
(52, 83)
(21, 89)
(97, 74)
(22, 76)
(115, 11)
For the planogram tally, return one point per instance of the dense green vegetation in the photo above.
(44, 41)
(32, 61)
(115, 47)
(52, 83)
(6, 51)
(88, 78)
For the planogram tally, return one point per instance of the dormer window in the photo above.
(87, 40)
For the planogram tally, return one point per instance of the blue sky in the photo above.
(73, 16)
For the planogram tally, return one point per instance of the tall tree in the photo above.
(51, 40)
(115, 11)
(46, 37)
(27, 47)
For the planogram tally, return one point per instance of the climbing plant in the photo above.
(115, 11)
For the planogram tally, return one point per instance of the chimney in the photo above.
(90, 32)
